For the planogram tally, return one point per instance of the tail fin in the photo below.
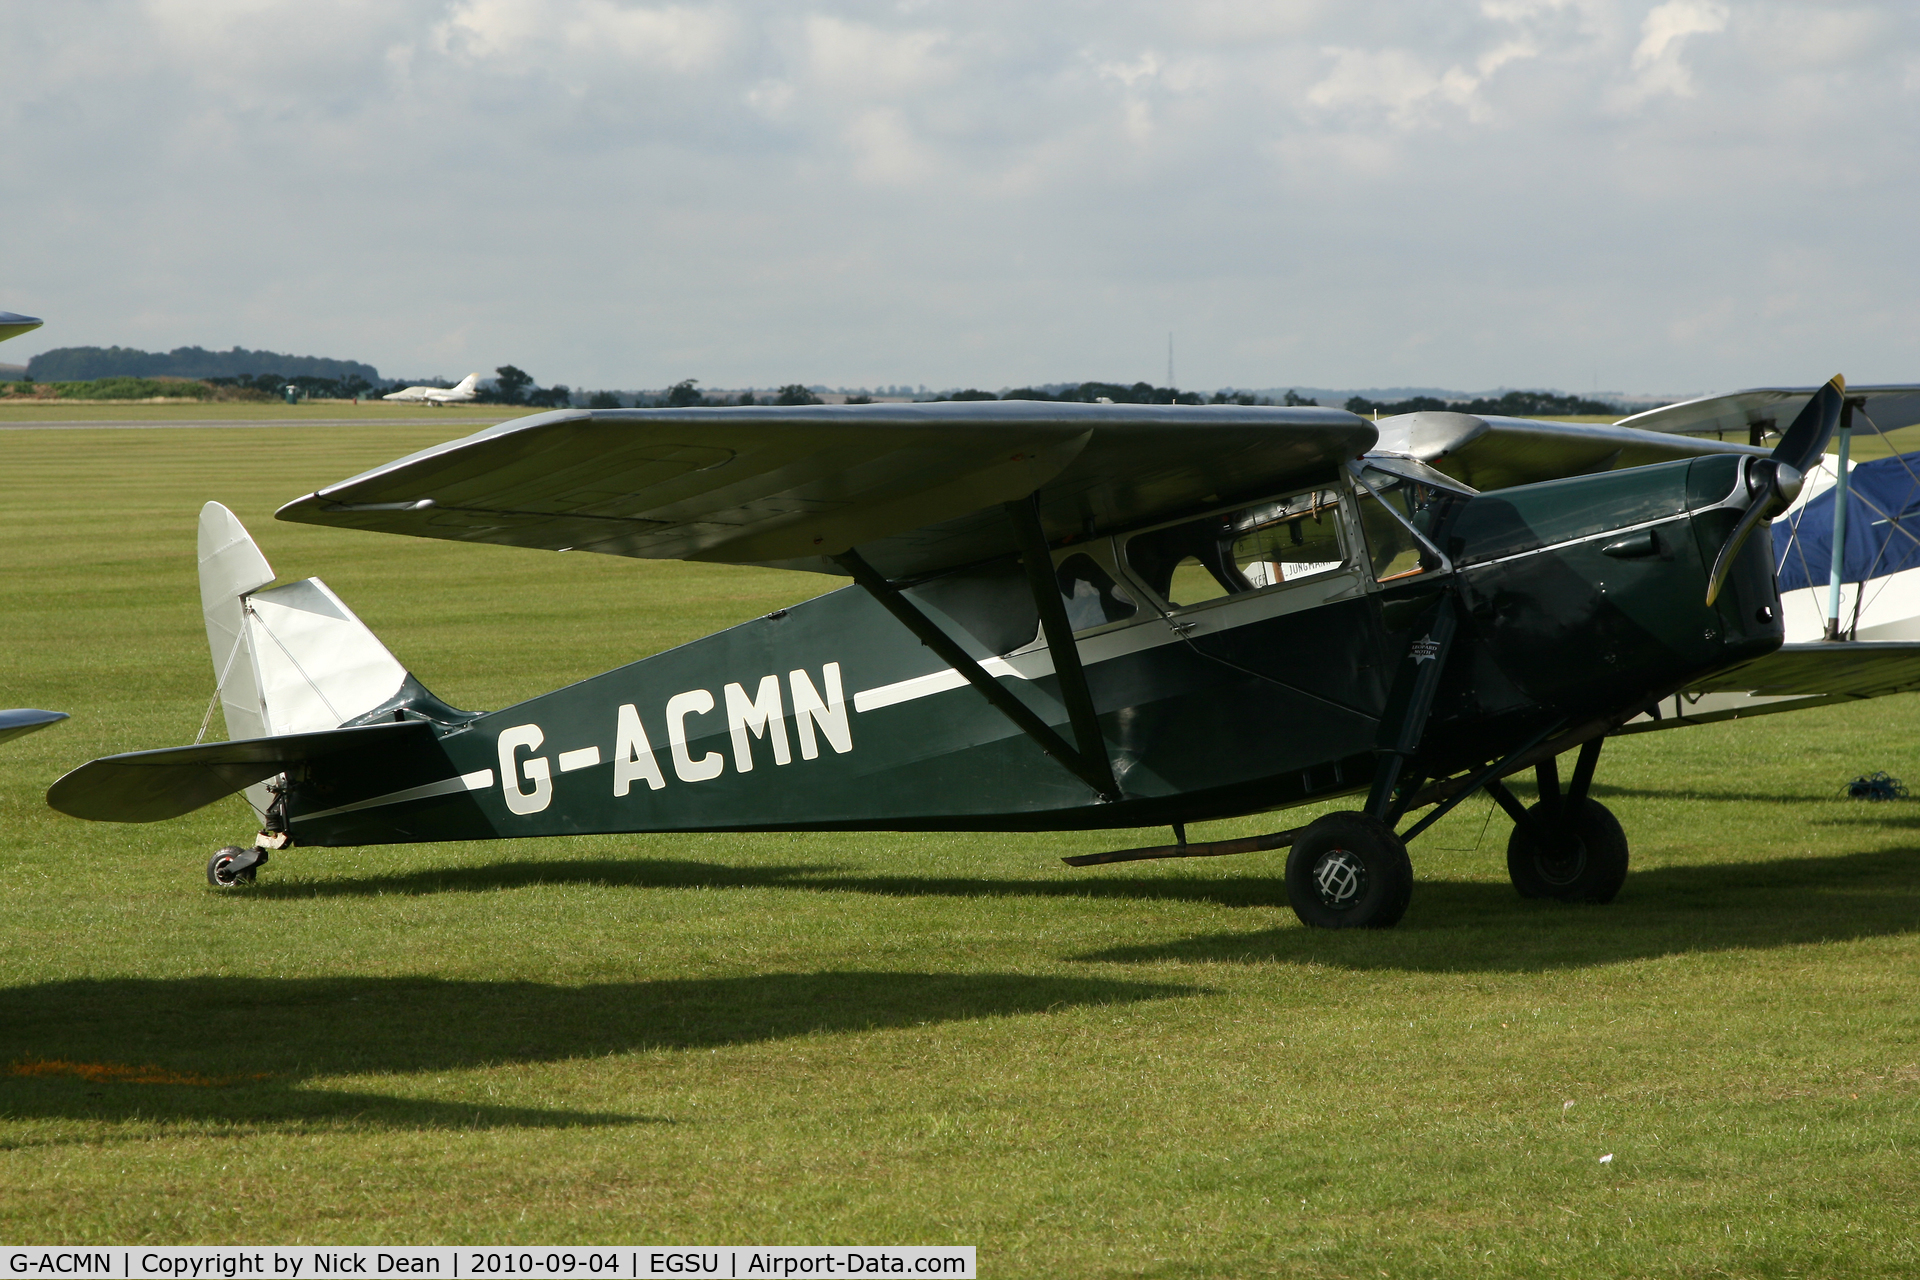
(291, 659)
(302, 682)
(468, 383)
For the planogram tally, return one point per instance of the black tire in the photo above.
(1590, 864)
(1349, 871)
(221, 873)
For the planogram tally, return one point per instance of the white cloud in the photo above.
(1657, 68)
(680, 38)
(611, 193)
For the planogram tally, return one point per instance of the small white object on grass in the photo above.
(1566, 1104)
(1607, 1158)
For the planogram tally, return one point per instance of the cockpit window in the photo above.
(1092, 597)
(1260, 546)
(1392, 548)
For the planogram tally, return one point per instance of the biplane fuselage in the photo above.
(1240, 660)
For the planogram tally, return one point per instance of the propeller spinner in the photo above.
(1773, 482)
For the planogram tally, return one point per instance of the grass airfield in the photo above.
(1145, 1070)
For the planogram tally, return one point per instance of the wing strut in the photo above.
(1059, 632)
(1098, 775)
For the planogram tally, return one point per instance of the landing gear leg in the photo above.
(1567, 845)
(1349, 870)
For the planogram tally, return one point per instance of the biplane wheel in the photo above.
(1349, 871)
(1589, 865)
(222, 874)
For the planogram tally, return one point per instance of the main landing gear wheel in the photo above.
(234, 866)
(1587, 858)
(1349, 871)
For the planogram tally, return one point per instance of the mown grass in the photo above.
(1143, 1070)
(24, 410)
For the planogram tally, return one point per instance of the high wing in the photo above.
(1497, 453)
(1792, 678)
(1747, 415)
(918, 488)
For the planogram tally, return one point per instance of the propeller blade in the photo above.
(1723, 563)
(1777, 484)
(1802, 443)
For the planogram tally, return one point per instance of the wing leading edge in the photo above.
(917, 488)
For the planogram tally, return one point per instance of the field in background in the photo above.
(53, 411)
(1139, 1070)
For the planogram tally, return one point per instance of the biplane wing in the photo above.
(1792, 678)
(918, 488)
(1748, 415)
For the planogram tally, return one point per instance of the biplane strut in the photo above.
(1088, 761)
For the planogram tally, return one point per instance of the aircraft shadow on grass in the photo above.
(1460, 926)
(243, 1050)
(1453, 925)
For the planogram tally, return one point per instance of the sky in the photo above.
(1683, 196)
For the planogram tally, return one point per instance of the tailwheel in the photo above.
(1571, 850)
(234, 866)
(1349, 871)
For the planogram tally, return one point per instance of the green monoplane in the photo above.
(1061, 617)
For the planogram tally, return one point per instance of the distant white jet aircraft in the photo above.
(438, 395)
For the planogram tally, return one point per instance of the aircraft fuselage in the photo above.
(1577, 602)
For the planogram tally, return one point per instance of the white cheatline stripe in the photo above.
(584, 758)
(926, 686)
(478, 781)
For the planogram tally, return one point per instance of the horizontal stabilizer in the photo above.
(151, 786)
(23, 720)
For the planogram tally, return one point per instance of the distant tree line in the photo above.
(1125, 393)
(84, 364)
(686, 394)
(512, 385)
(1514, 404)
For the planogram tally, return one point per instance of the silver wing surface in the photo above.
(917, 488)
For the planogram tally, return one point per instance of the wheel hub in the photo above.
(1562, 862)
(1341, 878)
